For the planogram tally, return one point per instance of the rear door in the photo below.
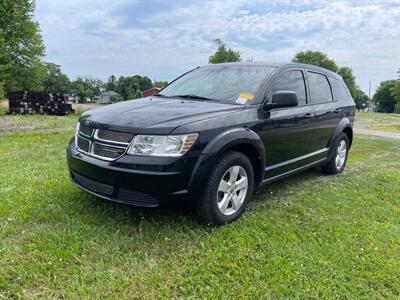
(326, 111)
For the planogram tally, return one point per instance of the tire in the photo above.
(217, 207)
(337, 161)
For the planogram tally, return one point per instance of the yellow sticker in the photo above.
(247, 96)
(244, 97)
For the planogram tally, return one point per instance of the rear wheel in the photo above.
(228, 189)
(338, 159)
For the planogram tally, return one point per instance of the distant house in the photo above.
(150, 92)
(109, 97)
(371, 106)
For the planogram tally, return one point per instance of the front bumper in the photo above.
(138, 180)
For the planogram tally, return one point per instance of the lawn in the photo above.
(379, 121)
(309, 236)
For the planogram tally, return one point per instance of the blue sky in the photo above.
(162, 39)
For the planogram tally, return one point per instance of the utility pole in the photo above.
(369, 97)
(369, 90)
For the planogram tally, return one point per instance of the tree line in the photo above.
(22, 65)
(386, 97)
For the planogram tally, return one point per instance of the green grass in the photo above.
(385, 128)
(379, 121)
(377, 117)
(308, 236)
(44, 121)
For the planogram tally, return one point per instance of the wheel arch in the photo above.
(349, 131)
(242, 140)
(344, 126)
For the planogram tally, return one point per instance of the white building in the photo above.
(109, 97)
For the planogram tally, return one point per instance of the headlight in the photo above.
(162, 145)
(76, 135)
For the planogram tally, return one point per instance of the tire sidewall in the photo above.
(230, 160)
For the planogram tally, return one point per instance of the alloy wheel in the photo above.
(232, 190)
(341, 154)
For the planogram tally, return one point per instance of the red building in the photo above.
(150, 92)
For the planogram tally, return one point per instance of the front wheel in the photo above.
(338, 158)
(228, 189)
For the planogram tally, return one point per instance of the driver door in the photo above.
(287, 132)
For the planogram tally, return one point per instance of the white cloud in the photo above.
(101, 38)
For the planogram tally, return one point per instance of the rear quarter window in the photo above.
(340, 91)
(320, 90)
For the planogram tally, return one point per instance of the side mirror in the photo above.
(282, 99)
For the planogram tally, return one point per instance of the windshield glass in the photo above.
(236, 84)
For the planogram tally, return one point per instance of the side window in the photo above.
(292, 81)
(320, 90)
(339, 89)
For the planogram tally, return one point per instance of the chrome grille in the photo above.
(115, 136)
(85, 129)
(107, 151)
(83, 144)
(102, 143)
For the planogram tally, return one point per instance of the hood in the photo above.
(156, 115)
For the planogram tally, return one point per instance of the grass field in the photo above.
(309, 236)
(379, 121)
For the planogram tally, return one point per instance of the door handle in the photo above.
(337, 110)
(308, 115)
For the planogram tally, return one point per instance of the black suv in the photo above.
(213, 136)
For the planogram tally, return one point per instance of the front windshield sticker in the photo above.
(244, 97)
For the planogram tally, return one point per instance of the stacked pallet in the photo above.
(39, 103)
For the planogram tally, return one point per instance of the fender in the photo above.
(219, 144)
(343, 124)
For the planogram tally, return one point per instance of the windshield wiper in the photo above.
(192, 96)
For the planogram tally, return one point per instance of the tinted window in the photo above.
(223, 83)
(339, 89)
(320, 90)
(292, 81)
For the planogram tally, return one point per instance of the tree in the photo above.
(112, 83)
(3, 64)
(315, 58)
(95, 84)
(350, 80)
(320, 59)
(383, 97)
(160, 84)
(396, 92)
(130, 87)
(361, 100)
(87, 87)
(81, 89)
(56, 81)
(223, 54)
(22, 47)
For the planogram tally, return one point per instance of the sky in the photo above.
(163, 39)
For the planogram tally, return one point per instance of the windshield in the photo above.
(236, 84)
